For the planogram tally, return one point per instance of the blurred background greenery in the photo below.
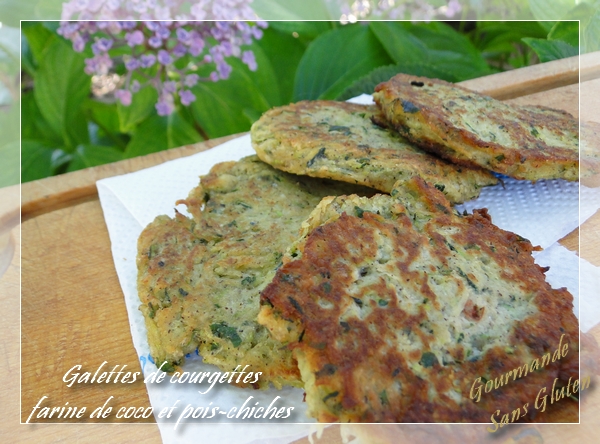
(67, 124)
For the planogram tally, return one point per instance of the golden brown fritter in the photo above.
(338, 140)
(468, 128)
(394, 306)
(199, 279)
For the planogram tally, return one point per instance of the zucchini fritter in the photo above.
(468, 128)
(199, 279)
(338, 140)
(395, 305)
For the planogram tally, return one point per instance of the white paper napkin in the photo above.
(543, 212)
(581, 278)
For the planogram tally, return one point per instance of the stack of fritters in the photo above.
(385, 308)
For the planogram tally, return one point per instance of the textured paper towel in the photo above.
(581, 278)
(543, 212)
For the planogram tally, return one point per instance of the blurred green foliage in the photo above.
(65, 127)
(9, 114)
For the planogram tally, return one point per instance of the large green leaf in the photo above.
(527, 28)
(433, 44)
(38, 38)
(265, 78)
(500, 42)
(39, 161)
(9, 145)
(104, 114)
(61, 87)
(337, 59)
(589, 16)
(218, 114)
(548, 50)
(591, 33)
(302, 31)
(28, 63)
(367, 84)
(86, 156)
(449, 50)
(220, 106)
(104, 125)
(142, 105)
(566, 31)
(10, 123)
(501, 36)
(33, 124)
(398, 41)
(545, 11)
(161, 133)
(9, 173)
(10, 55)
(284, 52)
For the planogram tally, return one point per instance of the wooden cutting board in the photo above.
(72, 310)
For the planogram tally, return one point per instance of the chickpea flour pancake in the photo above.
(395, 305)
(339, 140)
(199, 278)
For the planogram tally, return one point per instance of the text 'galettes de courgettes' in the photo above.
(339, 140)
(199, 278)
(468, 128)
(395, 305)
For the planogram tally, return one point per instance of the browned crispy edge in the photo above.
(294, 299)
(514, 163)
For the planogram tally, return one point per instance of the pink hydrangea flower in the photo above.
(186, 97)
(123, 96)
(166, 34)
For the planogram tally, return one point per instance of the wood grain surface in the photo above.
(537, 78)
(72, 309)
(65, 254)
(11, 368)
